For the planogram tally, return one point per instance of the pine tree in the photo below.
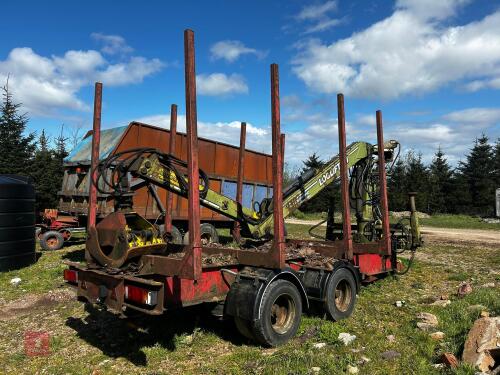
(417, 180)
(396, 189)
(312, 162)
(478, 171)
(16, 149)
(441, 184)
(496, 164)
(42, 172)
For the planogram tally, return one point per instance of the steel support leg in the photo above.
(171, 150)
(344, 179)
(278, 249)
(384, 205)
(239, 184)
(192, 257)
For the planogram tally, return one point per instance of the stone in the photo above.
(441, 303)
(464, 289)
(444, 297)
(437, 335)
(15, 281)
(427, 321)
(485, 314)
(316, 369)
(346, 338)
(400, 303)
(352, 369)
(390, 354)
(488, 285)
(391, 338)
(319, 345)
(449, 360)
(483, 337)
(364, 360)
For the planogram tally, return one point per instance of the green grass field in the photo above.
(87, 340)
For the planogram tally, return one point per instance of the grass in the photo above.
(459, 222)
(189, 341)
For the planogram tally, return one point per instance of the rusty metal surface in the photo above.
(344, 179)
(94, 159)
(384, 205)
(171, 148)
(278, 250)
(217, 159)
(239, 184)
(192, 259)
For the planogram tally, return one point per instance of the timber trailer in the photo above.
(133, 266)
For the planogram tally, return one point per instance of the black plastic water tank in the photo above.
(17, 222)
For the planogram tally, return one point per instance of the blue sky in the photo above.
(432, 67)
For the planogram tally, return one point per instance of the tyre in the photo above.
(244, 327)
(51, 240)
(208, 235)
(340, 294)
(175, 233)
(17, 233)
(281, 311)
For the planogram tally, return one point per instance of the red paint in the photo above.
(372, 264)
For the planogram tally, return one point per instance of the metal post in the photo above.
(171, 149)
(344, 182)
(193, 254)
(239, 184)
(279, 225)
(384, 205)
(282, 142)
(94, 157)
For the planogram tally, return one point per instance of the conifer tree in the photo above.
(417, 180)
(496, 164)
(441, 184)
(16, 148)
(478, 172)
(396, 189)
(42, 172)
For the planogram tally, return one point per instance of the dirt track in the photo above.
(432, 234)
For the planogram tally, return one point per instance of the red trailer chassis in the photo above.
(259, 288)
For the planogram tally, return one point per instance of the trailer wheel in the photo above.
(281, 310)
(175, 233)
(340, 294)
(208, 235)
(51, 240)
(244, 327)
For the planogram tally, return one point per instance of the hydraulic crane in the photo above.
(166, 171)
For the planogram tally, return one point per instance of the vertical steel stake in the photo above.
(344, 182)
(239, 184)
(384, 205)
(193, 255)
(171, 150)
(279, 228)
(94, 157)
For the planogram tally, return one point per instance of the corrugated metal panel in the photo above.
(109, 140)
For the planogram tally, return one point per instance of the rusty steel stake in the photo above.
(344, 180)
(384, 205)
(193, 254)
(94, 157)
(279, 225)
(171, 150)
(239, 184)
(282, 143)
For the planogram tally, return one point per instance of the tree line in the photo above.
(30, 155)
(469, 188)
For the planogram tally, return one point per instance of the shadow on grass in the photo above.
(77, 255)
(127, 337)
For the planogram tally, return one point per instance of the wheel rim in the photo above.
(343, 295)
(283, 314)
(52, 242)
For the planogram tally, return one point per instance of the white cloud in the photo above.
(216, 84)
(112, 44)
(45, 84)
(231, 50)
(317, 17)
(409, 52)
(478, 116)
